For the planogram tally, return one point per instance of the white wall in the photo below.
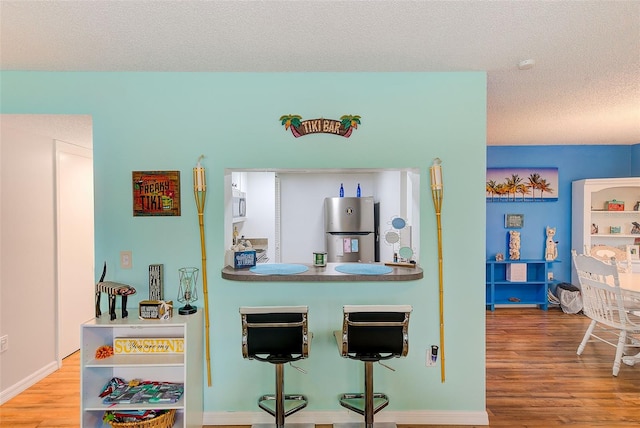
(27, 260)
(28, 255)
(303, 204)
(388, 183)
(261, 212)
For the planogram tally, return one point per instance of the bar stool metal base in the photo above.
(367, 403)
(364, 425)
(286, 425)
(357, 402)
(281, 405)
(292, 403)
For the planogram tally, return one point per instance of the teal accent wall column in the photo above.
(164, 121)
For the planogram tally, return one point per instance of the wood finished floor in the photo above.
(534, 379)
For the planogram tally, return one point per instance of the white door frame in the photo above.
(74, 283)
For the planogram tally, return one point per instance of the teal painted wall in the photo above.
(164, 121)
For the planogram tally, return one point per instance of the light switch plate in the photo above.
(126, 261)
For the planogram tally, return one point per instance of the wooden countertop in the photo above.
(324, 274)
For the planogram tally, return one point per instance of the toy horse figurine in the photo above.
(113, 289)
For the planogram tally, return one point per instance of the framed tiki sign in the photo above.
(156, 193)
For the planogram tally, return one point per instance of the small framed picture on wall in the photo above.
(156, 193)
(513, 221)
(634, 252)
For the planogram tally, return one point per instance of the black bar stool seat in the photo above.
(371, 333)
(276, 335)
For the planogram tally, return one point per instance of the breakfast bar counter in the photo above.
(332, 272)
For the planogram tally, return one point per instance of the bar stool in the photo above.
(277, 335)
(371, 333)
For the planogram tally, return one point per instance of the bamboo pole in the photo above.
(200, 193)
(437, 192)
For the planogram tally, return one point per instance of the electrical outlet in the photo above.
(4, 343)
(126, 260)
(432, 356)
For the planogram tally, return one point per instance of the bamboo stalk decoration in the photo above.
(437, 192)
(200, 193)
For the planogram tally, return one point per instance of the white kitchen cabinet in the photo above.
(186, 367)
(239, 181)
(589, 198)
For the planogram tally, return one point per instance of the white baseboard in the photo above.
(413, 417)
(516, 305)
(27, 382)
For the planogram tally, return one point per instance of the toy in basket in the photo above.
(140, 418)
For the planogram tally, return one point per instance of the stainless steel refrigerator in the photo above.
(349, 225)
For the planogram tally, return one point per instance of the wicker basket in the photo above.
(165, 420)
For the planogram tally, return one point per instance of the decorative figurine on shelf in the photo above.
(594, 229)
(499, 257)
(104, 351)
(636, 227)
(551, 250)
(636, 207)
(514, 245)
(113, 289)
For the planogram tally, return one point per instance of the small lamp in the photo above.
(187, 291)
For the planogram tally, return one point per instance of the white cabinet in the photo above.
(588, 213)
(186, 367)
(239, 181)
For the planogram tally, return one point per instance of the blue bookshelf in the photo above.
(530, 288)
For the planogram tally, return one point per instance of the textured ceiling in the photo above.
(583, 89)
(74, 129)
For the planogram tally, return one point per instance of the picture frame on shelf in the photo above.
(514, 221)
(634, 252)
(156, 282)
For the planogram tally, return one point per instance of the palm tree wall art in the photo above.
(522, 184)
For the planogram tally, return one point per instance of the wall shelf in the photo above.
(532, 291)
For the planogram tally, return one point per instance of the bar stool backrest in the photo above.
(375, 332)
(275, 334)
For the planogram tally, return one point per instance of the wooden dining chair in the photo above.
(614, 319)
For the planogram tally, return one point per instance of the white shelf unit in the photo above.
(588, 207)
(186, 367)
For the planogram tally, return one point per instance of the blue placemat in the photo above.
(278, 269)
(363, 269)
